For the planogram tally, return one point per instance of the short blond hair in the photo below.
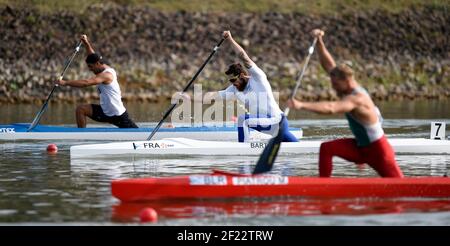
(341, 71)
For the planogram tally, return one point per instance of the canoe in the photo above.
(183, 146)
(226, 185)
(44, 132)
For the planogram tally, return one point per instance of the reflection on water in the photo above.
(36, 187)
(129, 212)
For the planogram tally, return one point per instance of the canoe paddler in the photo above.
(110, 109)
(370, 145)
(249, 85)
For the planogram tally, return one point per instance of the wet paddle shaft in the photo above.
(45, 105)
(299, 80)
(172, 107)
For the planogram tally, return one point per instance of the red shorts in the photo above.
(379, 155)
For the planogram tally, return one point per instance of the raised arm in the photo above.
(326, 60)
(87, 44)
(248, 63)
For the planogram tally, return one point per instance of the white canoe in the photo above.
(183, 146)
(43, 132)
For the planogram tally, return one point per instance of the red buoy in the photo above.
(148, 215)
(52, 148)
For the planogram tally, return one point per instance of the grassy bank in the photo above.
(394, 55)
(285, 6)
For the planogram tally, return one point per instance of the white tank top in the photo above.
(110, 96)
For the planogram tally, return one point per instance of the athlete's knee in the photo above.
(82, 110)
(326, 147)
(289, 137)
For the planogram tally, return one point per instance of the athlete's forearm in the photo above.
(78, 83)
(87, 44)
(325, 58)
(89, 48)
(318, 107)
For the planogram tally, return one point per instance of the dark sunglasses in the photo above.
(234, 78)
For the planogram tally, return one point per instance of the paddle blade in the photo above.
(270, 152)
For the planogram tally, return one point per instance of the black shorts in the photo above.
(122, 121)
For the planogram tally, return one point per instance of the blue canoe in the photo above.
(46, 132)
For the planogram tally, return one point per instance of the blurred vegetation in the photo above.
(391, 53)
(285, 6)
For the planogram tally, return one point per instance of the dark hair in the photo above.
(93, 58)
(341, 71)
(235, 69)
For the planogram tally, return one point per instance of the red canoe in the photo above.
(226, 185)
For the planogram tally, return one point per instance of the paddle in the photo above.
(267, 158)
(44, 106)
(299, 78)
(172, 107)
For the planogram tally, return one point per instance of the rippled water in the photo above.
(36, 187)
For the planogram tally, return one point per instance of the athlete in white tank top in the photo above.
(111, 109)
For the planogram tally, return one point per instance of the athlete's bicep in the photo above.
(93, 81)
(105, 78)
(248, 63)
(344, 106)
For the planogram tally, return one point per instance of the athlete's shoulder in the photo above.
(107, 76)
(357, 98)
